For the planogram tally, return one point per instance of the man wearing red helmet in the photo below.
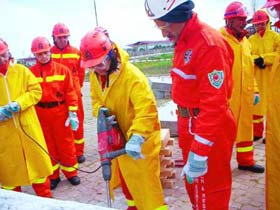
(201, 87)
(265, 47)
(22, 161)
(64, 53)
(272, 146)
(245, 93)
(123, 91)
(56, 111)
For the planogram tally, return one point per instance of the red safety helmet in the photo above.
(271, 3)
(3, 46)
(60, 29)
(101, 29)
(40, 44)
(260, 16)
(94, 47)
(235, 9)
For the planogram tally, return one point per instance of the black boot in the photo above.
(254, 168)
(54, 183)
(75, 180)
(81, 159)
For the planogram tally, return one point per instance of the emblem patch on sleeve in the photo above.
(187, 56)
(216, 78)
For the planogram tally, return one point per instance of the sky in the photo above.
(23, 20)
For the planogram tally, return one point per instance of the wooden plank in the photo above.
(165, 136)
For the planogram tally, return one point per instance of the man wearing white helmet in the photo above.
(272, 146)
(201, 87)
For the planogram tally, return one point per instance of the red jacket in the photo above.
(70, 57)
(202, 78)
(57, 84)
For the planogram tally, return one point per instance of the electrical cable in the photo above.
(44, 150)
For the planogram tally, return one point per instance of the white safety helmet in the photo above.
(155, 9)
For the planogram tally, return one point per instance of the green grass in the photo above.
(154, 67)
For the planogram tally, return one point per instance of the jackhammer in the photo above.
(110, 145)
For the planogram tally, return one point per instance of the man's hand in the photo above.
(196, 166)
(133, 146)
(73, 120)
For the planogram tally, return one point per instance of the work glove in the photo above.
(73, 120)
(259, 62)
(256, 98)
(133, 146)
(105, 110)
(5, 114)
(196, 166)
(13, 106)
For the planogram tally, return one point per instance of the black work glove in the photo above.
(259, 62)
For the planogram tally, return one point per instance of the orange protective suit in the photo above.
(70, 57)
(201, 86)
(58, 98)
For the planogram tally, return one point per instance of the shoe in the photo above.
(81, 159)
(256, 138)
(254, 168)
(54, 183)
(264, 141)
(75, 180)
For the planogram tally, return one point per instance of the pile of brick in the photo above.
(167, 172)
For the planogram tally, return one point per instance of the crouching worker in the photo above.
(122, 89)
(22, 159)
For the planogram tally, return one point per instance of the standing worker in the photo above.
(201, 88)
(23, 160)
(64, 53)
(265, 45)
(245, 92)
(56, 111)
(123, 91)
(272, 146)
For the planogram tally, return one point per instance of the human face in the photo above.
(4, 57)
(237, 24)
(102, 67)
(170, 30)
(43, 57)
(61, 41)
(260, 27)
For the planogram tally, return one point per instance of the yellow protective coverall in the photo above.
(267, 47)
(131, 100)
(272, 147)
(241, 101)
(22, 161)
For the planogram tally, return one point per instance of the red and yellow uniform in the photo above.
(58, 98)
(201, 87)
(70, 57)
(241, 101)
